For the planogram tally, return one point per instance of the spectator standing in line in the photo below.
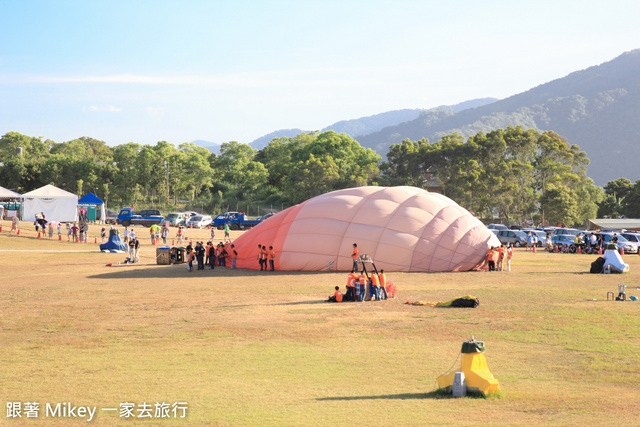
(132, 250)
(74, 232)
(165, 233)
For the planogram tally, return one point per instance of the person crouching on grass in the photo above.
(337, 295)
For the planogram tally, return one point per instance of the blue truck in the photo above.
(146, 217)
(236, 221)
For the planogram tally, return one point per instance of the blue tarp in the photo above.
(115, 243)
(90, 199)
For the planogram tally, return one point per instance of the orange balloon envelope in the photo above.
(400, 228)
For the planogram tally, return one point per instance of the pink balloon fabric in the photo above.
(400, 228)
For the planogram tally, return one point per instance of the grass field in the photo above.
(250, 348)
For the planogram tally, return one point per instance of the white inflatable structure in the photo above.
(613, 262)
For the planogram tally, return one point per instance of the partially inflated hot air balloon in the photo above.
(400, 228)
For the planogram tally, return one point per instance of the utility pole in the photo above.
(166, 166)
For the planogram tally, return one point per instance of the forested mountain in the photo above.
(597, 109)
(365, 125)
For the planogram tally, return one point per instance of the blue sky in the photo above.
(146, 71)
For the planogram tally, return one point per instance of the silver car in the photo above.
(517, 237)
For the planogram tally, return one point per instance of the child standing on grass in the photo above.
(509, 255)
(59, 231)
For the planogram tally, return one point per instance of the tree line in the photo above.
(286, 172)
(520, 175)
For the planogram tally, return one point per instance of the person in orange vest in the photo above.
(263, 257)
(509, 255)
(491, 258)
(351, 282)
(501, 251)
(190, 257)
(375, 283)
(234, 256)
(360, 290)
(272, 257)
(354, 257)
(337, 295)
(383, 284)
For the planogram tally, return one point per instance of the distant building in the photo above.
(614, 224)
(431, 183)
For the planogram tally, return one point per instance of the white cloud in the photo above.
(104, 108)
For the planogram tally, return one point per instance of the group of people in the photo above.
(582, 242)
(496, 256)
(265, 255)
(210, 255)
(357, 287)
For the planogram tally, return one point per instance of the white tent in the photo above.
(57, 204)
(8, 194)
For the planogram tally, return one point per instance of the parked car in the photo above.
(199, 221)
(572, 231)
(146, 217)
(541, 235)
(497, 227)
(267, 215)
(175, 219)
(623, 243)
(515, 227)
(632, 237)
(562, 239)
(516, 237)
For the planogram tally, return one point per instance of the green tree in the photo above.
(559, 203)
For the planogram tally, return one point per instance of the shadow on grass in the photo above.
(436, 394)
(302, 302)
(153, 271)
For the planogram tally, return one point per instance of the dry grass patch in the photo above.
(244, 347)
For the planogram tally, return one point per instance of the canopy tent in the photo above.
(9, 203)
(6, 194)
(91, 202)
(57, 204)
